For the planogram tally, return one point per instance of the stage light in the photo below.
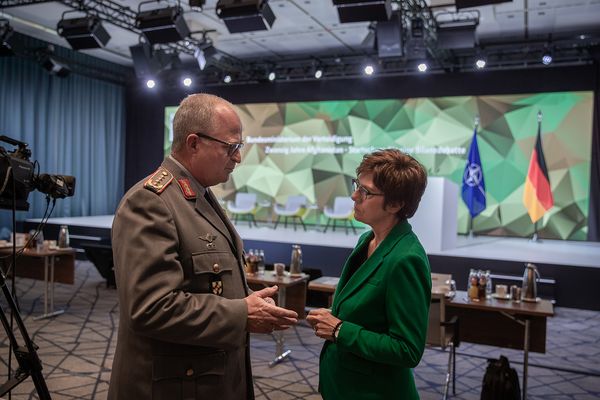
(390, 42)
(368, 70)
(547, 58)
(363, 10)
(197, 4)
(83, 33)
(318, 73)
(187, 82)
(204, 53)
(245, 15)
(227, 78)
(272, 76)
(55, 67)
(150, 83)
(422, 67)
(162, 25)
(6, 32)
(480, 63)
(417, 28)
(460, 34)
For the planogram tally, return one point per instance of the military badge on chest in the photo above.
(216, 282)
(209, 239)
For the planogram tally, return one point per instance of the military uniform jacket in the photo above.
(180, 282)
(384, 306)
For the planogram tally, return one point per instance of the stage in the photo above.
(575, 266)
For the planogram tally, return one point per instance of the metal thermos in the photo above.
(529, 287)
(296, 261)
(63, 237)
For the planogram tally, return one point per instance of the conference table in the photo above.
(52, 258)
(501, 323)
(291, 295)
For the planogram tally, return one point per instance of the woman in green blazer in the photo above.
(375, 331)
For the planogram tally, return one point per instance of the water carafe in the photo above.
(296, 260)
(529, 288)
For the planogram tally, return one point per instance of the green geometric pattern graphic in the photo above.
(313, 149)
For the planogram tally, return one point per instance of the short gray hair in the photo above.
(195, 114)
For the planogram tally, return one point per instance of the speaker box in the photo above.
(245, 15)
(389, 38)
(456, 37)
(476, 3)
(83, 33)
(162, 25)
(363, 10)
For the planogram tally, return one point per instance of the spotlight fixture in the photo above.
(83, 33)
(480, 63)
(227, 78)
(363, 10)
(197, 4)
(245, 15)
(55, 67)
(459, 34)
(368, 70)
(318, 73)
(150, 83)
(547, 58)
(417, 28)
(143, 62)
(390, 42)
(6, 32)
(204, 53)
(187, 81)
(162, 25)
(422, 67)
(272, 76)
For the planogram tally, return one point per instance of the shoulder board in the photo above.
(159, 180)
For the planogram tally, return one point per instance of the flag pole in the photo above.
(535, 238)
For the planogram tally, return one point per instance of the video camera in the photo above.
(18, 178)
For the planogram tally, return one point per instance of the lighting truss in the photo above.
(124, 17)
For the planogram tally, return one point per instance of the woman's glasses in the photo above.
(232, 148)
(363, 191)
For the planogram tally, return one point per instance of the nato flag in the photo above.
(473, 186)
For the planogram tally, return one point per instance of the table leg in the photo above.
(525, 358)
(280, 353)
(49, 282)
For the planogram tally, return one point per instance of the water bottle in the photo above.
(261, 262)
(296, 261)
(39, 241)
(63, 237)
(488, 284)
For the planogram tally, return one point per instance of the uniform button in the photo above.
(189, 372)
(164, 173)
(216, 267)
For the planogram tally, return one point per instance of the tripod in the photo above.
(26, 355)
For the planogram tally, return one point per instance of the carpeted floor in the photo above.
(76, 349)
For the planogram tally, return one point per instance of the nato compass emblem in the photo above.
(473, 176)
(209, 239)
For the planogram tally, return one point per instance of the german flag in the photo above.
(537, 196)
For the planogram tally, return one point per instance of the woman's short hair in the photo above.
(400, 177)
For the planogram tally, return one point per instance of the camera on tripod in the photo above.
(18, 177)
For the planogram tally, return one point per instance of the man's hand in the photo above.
(264, 316)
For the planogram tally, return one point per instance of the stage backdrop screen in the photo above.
(313, 149)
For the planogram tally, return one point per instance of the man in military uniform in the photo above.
(185, 308)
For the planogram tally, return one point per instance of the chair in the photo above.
(343, 210)
(442, 333)
(244, 205)
(294, 207)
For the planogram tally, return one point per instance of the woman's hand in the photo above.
(323, 323)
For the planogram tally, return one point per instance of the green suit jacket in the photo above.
(384, 306)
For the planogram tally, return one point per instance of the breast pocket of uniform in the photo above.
(212, 271)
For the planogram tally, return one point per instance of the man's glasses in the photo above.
(232, 148)
(363, 191)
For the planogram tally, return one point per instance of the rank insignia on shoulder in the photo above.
(216, 286)
(186, 188)
(159, 180)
